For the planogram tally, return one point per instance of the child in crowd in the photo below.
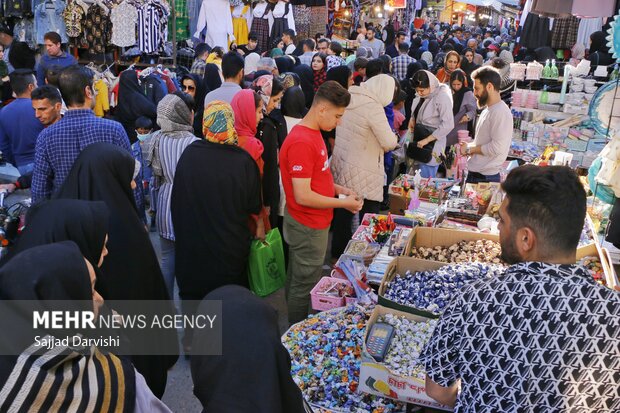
(144, 129)
(399, 117)
(359, 67)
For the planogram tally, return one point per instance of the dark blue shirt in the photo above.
(47, 61)
(59, 145)
(19, 129)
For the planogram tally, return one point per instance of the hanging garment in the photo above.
(215, 15)
(48, 17)
(74, 15)
(17, 8)
(260, 24)
(181, 19)
(559, 8)
(240, 17)
(302, 21)
(124, 18)
(535, 32)
(149, 35)
(586, 28)
(564, 33)
(24, 32)
(590, 8)
(97, 29)
(193, 11)
(282, 20)
(102, 102)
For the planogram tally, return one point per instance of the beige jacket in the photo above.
(363, 137)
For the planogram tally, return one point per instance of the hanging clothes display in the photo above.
(97, 29)
(124, 18)
(318, 17)
(283, 19)
(535, 32)
(17, 8)
(152, 26)
(48, 17)
(181, 21)
(215, 16)
(564, 33)
(591, 8)
(586, 28)
(260, 24)
(24, 32)
(73, 15)
(102, 101)
(553, 7)
(302, 21)
(240, 17)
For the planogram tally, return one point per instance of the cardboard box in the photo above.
(431, 237)
(399, 267)
(406, 389)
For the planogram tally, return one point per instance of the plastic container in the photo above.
(322, 302)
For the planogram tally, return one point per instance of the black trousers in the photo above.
(342, 228)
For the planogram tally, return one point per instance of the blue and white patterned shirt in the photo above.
(399, 66)
(59, 145)
(540, 338)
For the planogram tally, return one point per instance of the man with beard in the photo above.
(542, 337)
(493, 129)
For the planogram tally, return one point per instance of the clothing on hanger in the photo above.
(240, 17)
(564, 33)
(261, 17)
(586, 28)
(124, 18)
(283, 19)
(594, 8)
(97, 29)
(215, 16)
(49, 17)
(181, 20)
(74, 15)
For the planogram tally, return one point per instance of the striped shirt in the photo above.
(59, 145)
(148, 28)
(170, 150)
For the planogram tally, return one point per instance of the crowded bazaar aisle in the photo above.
(295, 206)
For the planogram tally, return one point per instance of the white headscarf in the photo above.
(251, 63)
(382, 86)
(428, 58)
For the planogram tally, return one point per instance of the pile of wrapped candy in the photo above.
(465, 251)
(407, 345)
(432, 290)
(325, 352)
(595, 268)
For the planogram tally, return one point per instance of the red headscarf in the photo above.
(245, 123)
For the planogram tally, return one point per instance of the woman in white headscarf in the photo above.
(432, 107)
(362, 138)
(251, 64)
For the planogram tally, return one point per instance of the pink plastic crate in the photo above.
(323, 302)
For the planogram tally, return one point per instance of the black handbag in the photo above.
(425, 153)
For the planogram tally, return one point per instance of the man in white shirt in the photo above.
(374, 44)
(493, 129)
(306, 57)
(288, 38)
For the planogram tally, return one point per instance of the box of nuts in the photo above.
(451, 246)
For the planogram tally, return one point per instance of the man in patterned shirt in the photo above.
(200, 62)
(60, 144)
(544, 337)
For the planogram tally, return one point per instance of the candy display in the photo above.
(325, 353)
(407, 344)
(595, 268)
(363, 250)
(382, 228)
(465, 251)
(432, 290)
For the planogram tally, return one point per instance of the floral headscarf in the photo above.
(289, 80)
(218, 124)
(263, 86)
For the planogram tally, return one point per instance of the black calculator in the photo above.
(379, 340)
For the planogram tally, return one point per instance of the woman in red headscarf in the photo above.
(248, 108)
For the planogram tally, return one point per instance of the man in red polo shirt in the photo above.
(311, 195)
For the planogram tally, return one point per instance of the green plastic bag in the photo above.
(266, 269)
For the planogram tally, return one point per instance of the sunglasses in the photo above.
(187, 87)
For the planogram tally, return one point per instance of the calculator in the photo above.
(379, 340)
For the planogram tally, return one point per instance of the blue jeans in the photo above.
(26, 169)
(167, 263)
(475, 177)
(428, 171)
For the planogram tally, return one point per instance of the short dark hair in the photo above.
(187, 99)
(290, 33)
(143, 122)
(52, 74)
(360, 63)
(335, 47)
(232, 64)
(276, 86)
(219, 51)
(550, 201)
(309, 43)
(486, 75)
(403, 48)
(420, 80)
(253, 36)
(52, 37)
(323, 40)
(73, 80)
(374, 68)
(48, 92)
(401, 33)
(201, 48)
(332, 92)
(20, 79)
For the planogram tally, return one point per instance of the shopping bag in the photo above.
(266, 269)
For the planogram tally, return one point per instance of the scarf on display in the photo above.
(81, 377)
(263, 86)
(174, 119)
(218, 124)
(245, 124)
